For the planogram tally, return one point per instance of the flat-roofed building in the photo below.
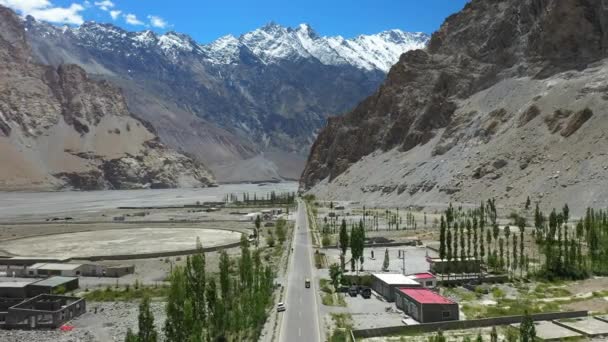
(52, 285)
(385, 284)
(466, 265)
(14, 289)
(425, 305)
(426, 279)
(55, 269)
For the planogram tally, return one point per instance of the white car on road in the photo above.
(281, 307)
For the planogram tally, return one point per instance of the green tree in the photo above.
(442, 246)
(281, 230)
(494, 335)
(528, 202)
(527, 331)
(479, 338)
(258, 225)
(213, 307)
(489, 241)
(335, 272)
(131, 337)
(147, 331)
(469, 237)
(514, 262)
(448, 241)
(501, 248)
(270, 240)
(196, 281)
(386, 262)
(438, 338)
(507, 232)
(176, 329)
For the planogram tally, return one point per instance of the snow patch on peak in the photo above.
(273, 43)
(224, 50)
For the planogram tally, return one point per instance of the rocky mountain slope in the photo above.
(508, 100)
(247, 106)
(61, 129)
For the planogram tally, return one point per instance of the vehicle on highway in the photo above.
(353, 291)
(366, 292)
(281, 307)
(307, 283)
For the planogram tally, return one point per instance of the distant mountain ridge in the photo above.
(248, 107)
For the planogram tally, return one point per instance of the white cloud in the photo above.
(157, 21)
(45, 10)
(131, 19)
(105, 5)
(115, 14)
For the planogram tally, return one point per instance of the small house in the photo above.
(466, 265)
(425, 305)
(53, 285)
(425, 279)
(14, 289)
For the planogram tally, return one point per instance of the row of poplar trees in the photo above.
(572, 251)
(230, 307)
(566, 250)
(476, 234)
(356, 241)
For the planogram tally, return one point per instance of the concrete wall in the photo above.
(456, 325)
(44, 312)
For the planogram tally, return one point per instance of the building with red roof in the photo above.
(425, 279)
(425, 305)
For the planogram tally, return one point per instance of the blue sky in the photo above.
(207, 20)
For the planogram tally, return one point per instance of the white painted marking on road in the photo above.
(300, 300)
(300, 314)
(300, 332)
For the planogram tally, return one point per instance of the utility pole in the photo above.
(403, 257)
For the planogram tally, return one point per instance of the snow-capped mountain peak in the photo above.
(272, 43)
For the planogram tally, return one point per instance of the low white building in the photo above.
(386, 284)
(65, 270)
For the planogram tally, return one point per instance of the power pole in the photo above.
(403, 257)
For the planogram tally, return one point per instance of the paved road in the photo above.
(301, 320)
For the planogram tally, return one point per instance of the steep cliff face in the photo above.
(493, 72)
(60, 129)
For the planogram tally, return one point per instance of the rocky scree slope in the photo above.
(60, 129)
(508, 100)
(247, 106)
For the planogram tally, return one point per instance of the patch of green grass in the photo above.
(333, 299)
(326, 286)
(508, 307)
(344, 325)
(460, 293)
(126, 294)
(498, 293)
(544, 290)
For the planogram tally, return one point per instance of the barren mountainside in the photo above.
(61, 129)
(508, 100)
(247, 107)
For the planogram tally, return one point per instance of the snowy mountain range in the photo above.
(246, 106)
